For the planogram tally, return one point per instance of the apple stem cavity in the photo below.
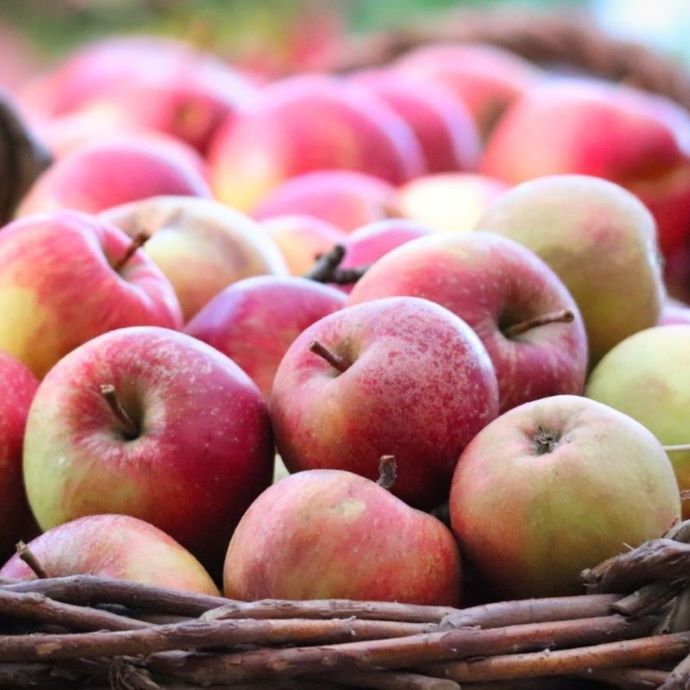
(130, 428)
(29, 557)
(562, 316)
(545, 441)
(327, 268)
(388, 472)
(138, 241)
(332, 358)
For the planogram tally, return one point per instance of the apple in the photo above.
(148, 422)
(325, 534)
(584, 126)
(18, 389)
(200, 245)
(440, 120)
(555, 486)
(66, 277)
(114, 171)
(526, 318)
(301, 239)
(305, 123)
(254, 321)
(345, 198)
(645, 376)
(399, 376)
(485, 77)
(114, 546)
(452, 202)
(674, 312)
(599, 239)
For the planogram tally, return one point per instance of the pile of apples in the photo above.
(501, 392)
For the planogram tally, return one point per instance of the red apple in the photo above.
(255, 320)
(555, 486)
(18, 388)
(526, 318)
(179, 437)
(114, 546)
(62, 283)
(332, 534)
(115, 171)
(200, 245)
(399, 376)
(674, 312)
(306, 123)
(345, 198)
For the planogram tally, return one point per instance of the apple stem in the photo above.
(388, 472)
(334, 360)
(130, 428)
(327, 268)
(138, 241)
(680, 448)
(562, 316)
(29, 557)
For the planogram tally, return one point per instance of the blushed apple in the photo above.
(646, 376)
(66, 277)
(255, 320)
(599, 239)
(200, 245)
(555, 486)
(114, 546)
(325, 534)
(18, 386)
(345, 198)
(524, 315)
(399, 376)
(151, 423)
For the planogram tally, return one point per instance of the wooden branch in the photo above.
(647, 599)
(679, 678)
(628, 678)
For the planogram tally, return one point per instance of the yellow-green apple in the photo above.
(674, 312)
(448, 201)
(399, 376)
(154, 83)
(152, 423)
(301, 239)
(599, 239)
(325, 534)
(524, 315)
(306, 123)
(555, 486)
(66, 277)
(117, 170)
(607, 130)
(345, 198)
(486, 78)
(200, 245)
(113, 546)
(646, 376)
(254, 321)
(18, 388)
(440, 120)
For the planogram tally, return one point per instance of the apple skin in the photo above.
(200, 245)
(325, 534)
(255, 320)
(301, 239)
(453, 202)
(529, 523)
(114, 546)
(203, 452)
(645, 376)
(55, 269)
(588, 127)
(419, 386)
(344, 198)
(305, 123)
(440, 120)
(599, 239)
(486, 78)
(492, 283)
(18, 389)
(674, 312)
(117, 170)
